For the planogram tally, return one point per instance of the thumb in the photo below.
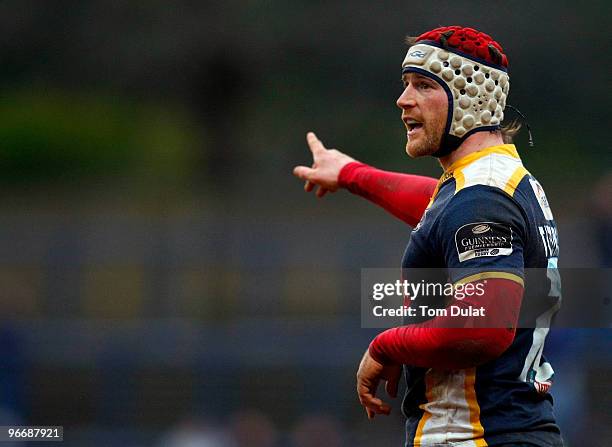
(303, 172)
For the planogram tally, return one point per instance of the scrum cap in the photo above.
(473, 70)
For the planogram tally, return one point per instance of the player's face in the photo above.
(424, 107)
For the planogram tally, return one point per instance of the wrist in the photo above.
(348, 172)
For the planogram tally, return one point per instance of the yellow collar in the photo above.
(505, 149)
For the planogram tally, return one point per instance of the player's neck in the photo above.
(474, 143)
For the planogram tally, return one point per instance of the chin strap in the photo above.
(449, 144)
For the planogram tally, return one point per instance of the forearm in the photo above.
(405, 196)
(456, 342)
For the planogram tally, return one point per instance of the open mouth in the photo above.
(413, 126)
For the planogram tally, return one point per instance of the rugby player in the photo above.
(487, 382)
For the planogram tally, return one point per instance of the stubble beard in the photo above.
(429, 143)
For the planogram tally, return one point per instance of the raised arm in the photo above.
(403, 195)
(406, 196)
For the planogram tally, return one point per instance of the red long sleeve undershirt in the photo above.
(469, 342)
(435, 344)
(404, 195)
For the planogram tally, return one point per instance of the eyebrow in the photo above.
(419, 76)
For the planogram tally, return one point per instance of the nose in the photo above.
(406, 99)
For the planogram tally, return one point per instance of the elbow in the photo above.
(475, 347)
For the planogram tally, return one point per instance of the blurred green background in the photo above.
(165, 279)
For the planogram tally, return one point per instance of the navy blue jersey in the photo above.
(489, 218)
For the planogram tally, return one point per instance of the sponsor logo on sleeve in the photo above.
(541, 198)
(480, 229)
(482, 239)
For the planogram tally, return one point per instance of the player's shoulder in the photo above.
(482, 202)
(479, 204)
(483, 225)
(491, 185)
(530, 194)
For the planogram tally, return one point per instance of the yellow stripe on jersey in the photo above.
(470, 395)
(515, 179)
(426, 414)
(433, 196)
(459, 181)
(488, 275)
(493, 166)
(503, 149)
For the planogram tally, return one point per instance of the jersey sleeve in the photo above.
(481, 234)
(406, 196)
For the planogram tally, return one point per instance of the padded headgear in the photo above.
(473, 70)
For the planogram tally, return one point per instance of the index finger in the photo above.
(314, 143)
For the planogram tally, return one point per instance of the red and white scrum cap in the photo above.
(473, 70)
